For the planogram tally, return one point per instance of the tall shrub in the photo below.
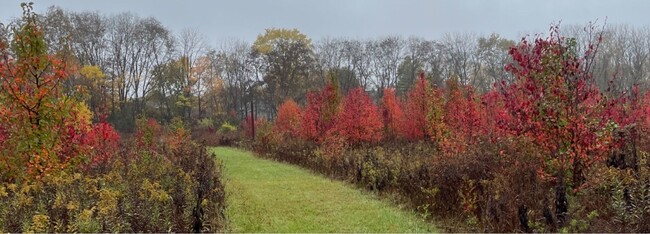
(360, 120)
(393, 116)
(288, 120)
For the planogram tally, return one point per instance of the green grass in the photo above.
(267, 196)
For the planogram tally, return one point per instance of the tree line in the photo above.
(134, 66)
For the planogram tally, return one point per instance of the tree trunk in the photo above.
(200, 112)
(561, 203)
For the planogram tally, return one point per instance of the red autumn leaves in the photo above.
(356, 119)
(552, 103)
(393, 116)
(289, 118)
(42, 128)
(551, 106)
(104, 141)
(360, 120)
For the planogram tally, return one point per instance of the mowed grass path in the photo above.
(267, 196)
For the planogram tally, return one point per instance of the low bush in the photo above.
(619, 198)
(226, 135)
(490, 187)
(148, 186)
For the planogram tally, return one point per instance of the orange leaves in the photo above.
(392, 114)
(288, 119)
(43, 129)
(360, 120)
(417, 107)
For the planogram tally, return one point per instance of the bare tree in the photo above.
(387, 56)
(89, 42)
(191, 46)
(460, 55)
(418, 57)
(358, 58)
(154, 48)
(237, 71)
(329, 55)
(57, 27)
(493, 55)
(135, 47)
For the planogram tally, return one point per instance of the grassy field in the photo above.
(266, 196)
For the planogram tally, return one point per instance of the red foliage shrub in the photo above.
(416, 109)
(631, 113)
(631, 109)
(495, 114)
(555, 103)
(360, 120)
(4, 120)
(104, 142)
(288, 119)
(392, 114)
(320, 113)
(464, 119)
(76, 126)
(524, 150)
(310, 127)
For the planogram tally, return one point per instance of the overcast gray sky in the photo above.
(245, 19)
